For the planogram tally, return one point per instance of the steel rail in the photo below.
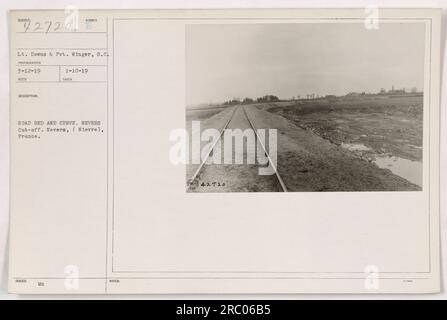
(278, 176)
(196, 173)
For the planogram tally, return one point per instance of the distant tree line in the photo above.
(266, 98)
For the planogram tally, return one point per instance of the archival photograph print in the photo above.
(304, 107)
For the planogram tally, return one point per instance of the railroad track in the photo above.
(272, 164)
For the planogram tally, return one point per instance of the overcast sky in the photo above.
(251, 60)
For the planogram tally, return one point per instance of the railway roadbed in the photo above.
(234, 177)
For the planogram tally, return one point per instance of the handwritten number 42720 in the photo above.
(45, 26)
(212, 184)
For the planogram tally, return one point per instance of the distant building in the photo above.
(396, 91)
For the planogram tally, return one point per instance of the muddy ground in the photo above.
(308, 162)
(384, 124)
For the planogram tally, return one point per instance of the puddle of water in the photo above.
(407, 169)
(355, 146)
